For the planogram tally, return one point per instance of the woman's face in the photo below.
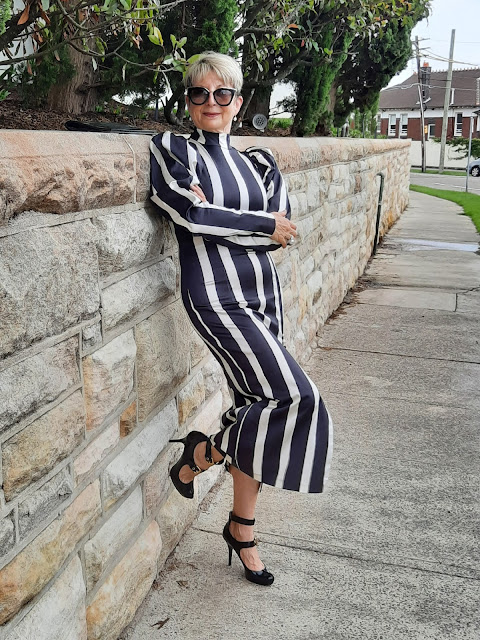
(210, 116)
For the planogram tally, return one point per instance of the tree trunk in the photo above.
(260, 102)
(76, 95)
(332, 97)
(176, 97)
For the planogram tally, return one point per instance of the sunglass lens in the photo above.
(198, 95)
(223, 96)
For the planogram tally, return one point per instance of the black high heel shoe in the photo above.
(262, 577)
(190, 442)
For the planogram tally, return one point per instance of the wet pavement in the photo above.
(391, 550)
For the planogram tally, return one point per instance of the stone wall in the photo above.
(99, 365)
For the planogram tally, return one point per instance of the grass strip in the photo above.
(437, 172)
(469, 202)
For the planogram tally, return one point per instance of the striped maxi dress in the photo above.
(278, 429)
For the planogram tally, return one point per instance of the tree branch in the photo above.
(282, 74)
(242, 31)
(13, 29)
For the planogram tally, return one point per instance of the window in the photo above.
(431, 131)
(404, 124)
(458, 124)
(392, 124)
(379, 123)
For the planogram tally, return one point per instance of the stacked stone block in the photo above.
(99, 365)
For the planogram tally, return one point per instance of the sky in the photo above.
(434, 35)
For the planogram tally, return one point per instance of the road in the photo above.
(456, 183)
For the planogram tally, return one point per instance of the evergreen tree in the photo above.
(314, 83)
(371, 66)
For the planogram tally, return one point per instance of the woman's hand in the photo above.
(198, 192)
(285, 230)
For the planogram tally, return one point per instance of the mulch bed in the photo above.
(14, 115)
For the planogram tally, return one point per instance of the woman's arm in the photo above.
(284, 229)
(272, 178)
(171, 180)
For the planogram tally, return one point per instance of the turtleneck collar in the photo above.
(208, 138)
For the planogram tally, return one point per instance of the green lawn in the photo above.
(445, 173)
(470, 202)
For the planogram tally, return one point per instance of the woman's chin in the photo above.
(214, 126)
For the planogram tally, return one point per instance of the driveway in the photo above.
(455, 183)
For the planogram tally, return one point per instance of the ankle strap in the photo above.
(239, 520)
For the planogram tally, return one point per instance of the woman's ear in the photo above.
(239, 103)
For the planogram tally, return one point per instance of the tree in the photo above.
(210, 25)
(310, 41)
(461, 146)
(371, 65)
(54, 26)
(314, 84)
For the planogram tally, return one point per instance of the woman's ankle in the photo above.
(199, 456)
(241, 532)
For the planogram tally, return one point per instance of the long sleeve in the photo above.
(272, 178)
(171, 178)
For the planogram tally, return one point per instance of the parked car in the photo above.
(474, 168)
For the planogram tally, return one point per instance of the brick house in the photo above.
(399, 106)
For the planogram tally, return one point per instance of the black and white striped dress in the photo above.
(278, 429)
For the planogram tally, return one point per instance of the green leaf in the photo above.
(173, 40)
(45, 4)
(182, 42)
(154, 40)
(158, 34)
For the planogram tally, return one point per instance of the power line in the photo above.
(430, 86)
(431, 55)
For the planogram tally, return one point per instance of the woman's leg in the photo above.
(186, 474)
(245, 493)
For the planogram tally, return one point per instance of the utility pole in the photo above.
(422, 113)
(448, 88)
(469, 151)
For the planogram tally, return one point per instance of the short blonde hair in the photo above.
(224, 66)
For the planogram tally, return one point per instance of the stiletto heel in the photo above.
(190, 441)
(262, 577)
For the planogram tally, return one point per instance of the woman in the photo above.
(229, 210)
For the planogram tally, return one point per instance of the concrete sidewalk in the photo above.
(391, 550)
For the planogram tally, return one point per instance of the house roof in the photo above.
(405, 95)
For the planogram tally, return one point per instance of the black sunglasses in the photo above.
(222, 96)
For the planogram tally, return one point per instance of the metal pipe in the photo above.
(379, 212)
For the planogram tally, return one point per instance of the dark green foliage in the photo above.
(461, 145)
(33, 87)
(280, 123)
(215, 24)
(314, 84)
(208, 25)
(5, 13)
(370, 67)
